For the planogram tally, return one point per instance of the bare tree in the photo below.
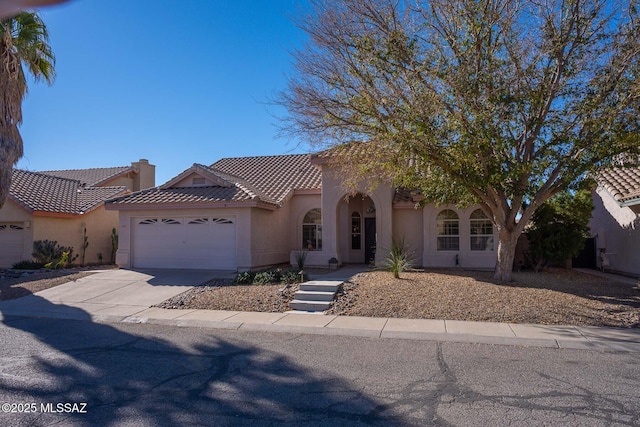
(503, 103)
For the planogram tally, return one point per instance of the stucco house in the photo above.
(615, 221)
(252, 212)
(60, 205)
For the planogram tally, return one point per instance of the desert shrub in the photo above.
(50, 254)
(114, 245)
(267, 277)
(301, 258)
(244, 278)
(292, 276)
(65, 260)
(559, 229)
(400, 258)
(27, 265)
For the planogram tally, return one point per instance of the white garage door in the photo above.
(197, 243)
(11, 244)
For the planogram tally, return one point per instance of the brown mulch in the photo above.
(555, 297)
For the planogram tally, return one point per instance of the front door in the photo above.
(369, 240)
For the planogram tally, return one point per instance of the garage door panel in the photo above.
(11, 244)
(208, 243)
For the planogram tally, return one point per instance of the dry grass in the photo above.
(556, 297)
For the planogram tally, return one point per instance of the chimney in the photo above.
(146, 176)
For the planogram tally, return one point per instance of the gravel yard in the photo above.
(222, 295)
(555, 297)
(562, 297)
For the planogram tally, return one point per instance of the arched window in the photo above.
(356, 231)
(481, 231)
(448, 231)
(312, 230)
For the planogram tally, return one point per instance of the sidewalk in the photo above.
(125, 296)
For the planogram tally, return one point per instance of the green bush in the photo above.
(52, 255)
(559, 229)
(244, 278)
(267, 277)
(400, 258)
(293, 276)
(27, 265)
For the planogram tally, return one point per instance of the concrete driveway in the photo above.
(109, 293)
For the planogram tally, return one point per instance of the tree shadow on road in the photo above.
(130, 375)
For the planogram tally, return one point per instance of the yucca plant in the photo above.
(301, 258)
(400, 258)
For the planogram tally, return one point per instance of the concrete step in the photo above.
(321, 285)
(309, 305)
(314, 296)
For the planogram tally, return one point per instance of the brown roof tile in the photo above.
(37, 191)
(184, 195)
(273, 177)
(268, 179)
(90, 177)
(622, 183)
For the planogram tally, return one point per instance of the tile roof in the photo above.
(91, 177)
(405, 195)
(273, 177)
(267, 179)
(622, 183)
(38, 191)
(184, 195)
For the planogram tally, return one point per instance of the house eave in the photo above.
(198, 205)
(406, 205)
(307, 191)
(630, 203)
(48, 214)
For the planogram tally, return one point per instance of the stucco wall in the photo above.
(617, 230)
(408, 228)
(121, 180)
(467, 258)
(270, 237)
(69, 232)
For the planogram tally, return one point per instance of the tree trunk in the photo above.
(507, 241)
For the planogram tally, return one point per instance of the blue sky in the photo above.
(173, 81)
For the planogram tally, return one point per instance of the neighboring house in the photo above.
(252, 212)
(615, 223)
(60, 205)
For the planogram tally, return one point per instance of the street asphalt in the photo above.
(128, 296)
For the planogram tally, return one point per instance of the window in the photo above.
(170, 221)
(356, 231)
(312, 230)
(199, 221)
(448, 231)
(221, 221)
(481, 232)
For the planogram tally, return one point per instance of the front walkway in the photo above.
(125, 296)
